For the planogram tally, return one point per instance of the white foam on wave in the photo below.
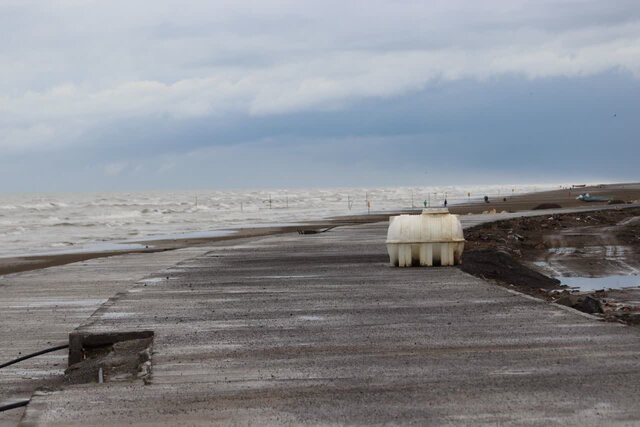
(54, 220)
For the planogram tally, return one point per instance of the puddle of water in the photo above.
(555, 267)
(116, 315)
(89, 248)
(617, 281)
(300, 276)
(185, 235)
(153, 280)
(37, 374)
(312, 318)
(562, 250)
(60, 303)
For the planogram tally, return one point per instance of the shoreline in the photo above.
(564, 198)
(18, 264)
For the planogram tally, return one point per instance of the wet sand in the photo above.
(564, 198)
(26, 263)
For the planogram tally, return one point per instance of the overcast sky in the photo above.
(160, 94)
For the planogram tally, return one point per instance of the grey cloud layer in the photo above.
(70, 68)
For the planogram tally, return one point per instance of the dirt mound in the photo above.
(502, 267)
(503, 250)
(524, 237)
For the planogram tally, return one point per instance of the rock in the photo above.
(584, 303)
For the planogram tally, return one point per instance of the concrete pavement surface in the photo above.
(39, 308)
(318, 329)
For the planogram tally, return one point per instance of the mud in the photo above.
(531, 253)
(503, 267)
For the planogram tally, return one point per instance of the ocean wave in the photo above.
(37, 222)
(39, 206)
(15, 231)
(115, 216)
(61, 244)
(74, 224)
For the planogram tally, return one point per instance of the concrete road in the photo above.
(38, 310)
(318, 329)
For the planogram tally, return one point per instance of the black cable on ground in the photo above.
(330, 228)
(14, 405)
(38, 353)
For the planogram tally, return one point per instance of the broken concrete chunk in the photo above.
(584, 303)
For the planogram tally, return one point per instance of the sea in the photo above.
(50, 223)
